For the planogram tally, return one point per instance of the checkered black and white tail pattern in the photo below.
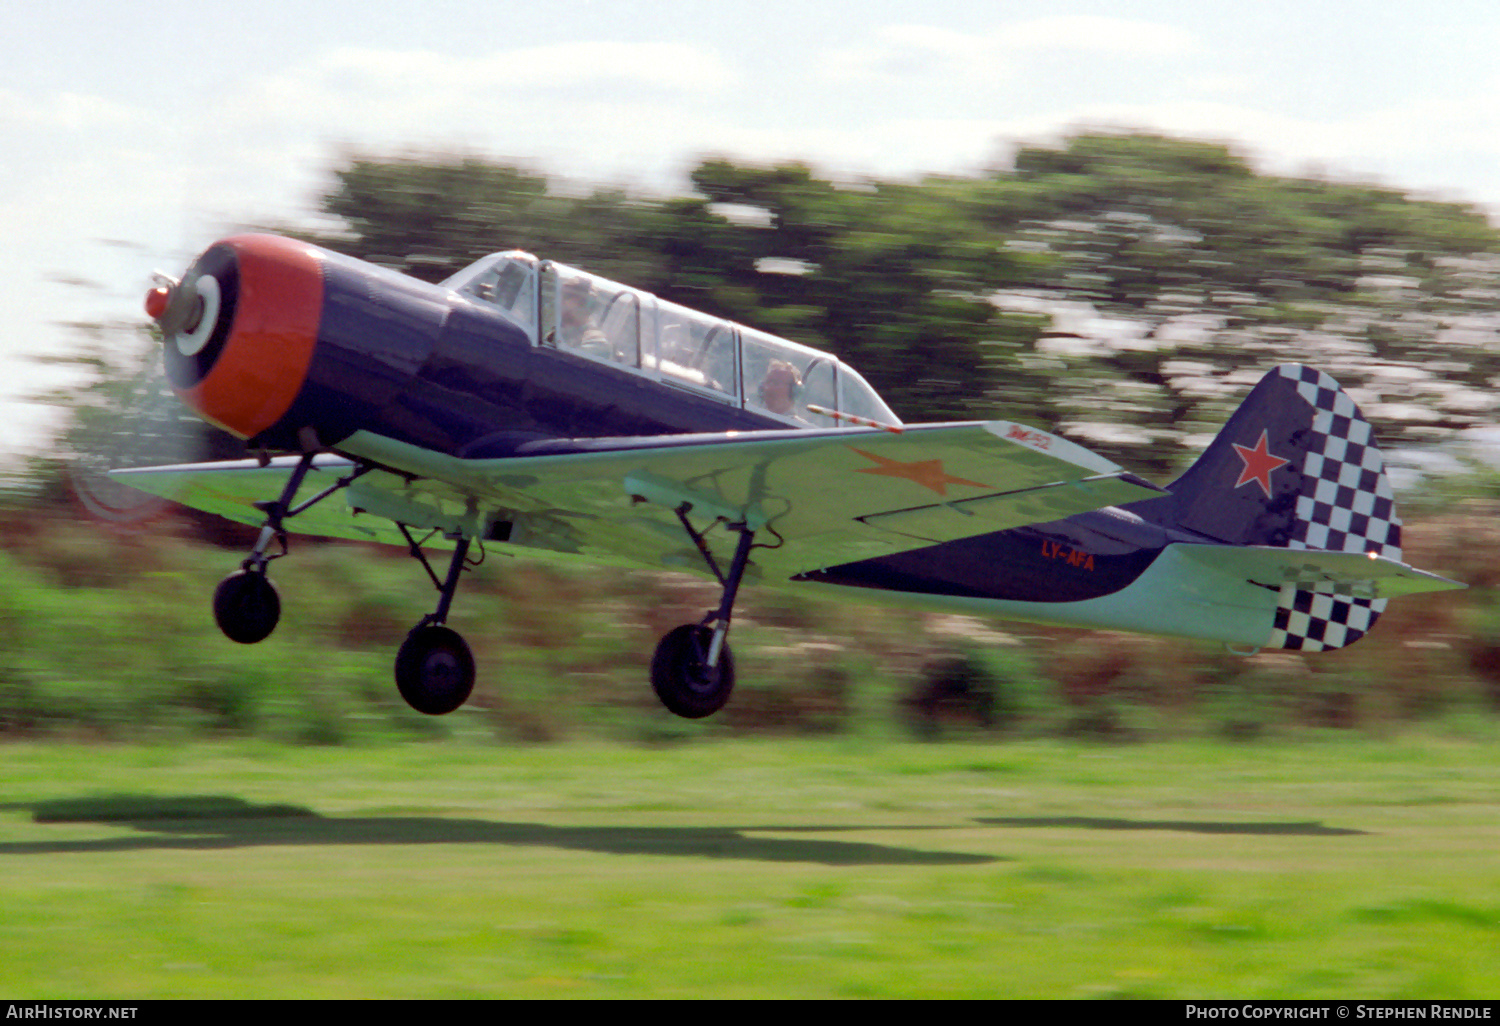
(1345, 505)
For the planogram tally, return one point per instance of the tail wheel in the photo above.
(434, 670)
(246, 606)
(682, 678)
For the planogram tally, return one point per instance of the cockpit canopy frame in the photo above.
(572, 310)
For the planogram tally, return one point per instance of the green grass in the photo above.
(1343, 868)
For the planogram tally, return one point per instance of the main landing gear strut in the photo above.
(246, 606)
(434, 667)
(693, 669)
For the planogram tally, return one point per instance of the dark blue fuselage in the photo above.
(428, 367)
(460, 378)
(1083, 557)
(372, 351)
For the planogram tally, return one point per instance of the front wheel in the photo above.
(434, 670)
(682, 678)
(246, 606)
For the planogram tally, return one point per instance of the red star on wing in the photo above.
(927, 473)
(1259, 462)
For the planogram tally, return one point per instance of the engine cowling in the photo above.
(239, 331)
(291, 346)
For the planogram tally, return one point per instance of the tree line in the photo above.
(1123, 288)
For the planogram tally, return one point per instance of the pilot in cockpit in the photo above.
(578, 328)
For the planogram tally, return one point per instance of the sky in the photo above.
(132, 134)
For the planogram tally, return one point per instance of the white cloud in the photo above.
(1362, 144)
(1231, 84)
(382, 84)
(66, 112)
(1099, 35)
(907, 51)
(583, 109)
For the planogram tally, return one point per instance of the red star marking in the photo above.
(1259, 463)
(927, 473)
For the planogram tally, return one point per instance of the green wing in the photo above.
(815, 499)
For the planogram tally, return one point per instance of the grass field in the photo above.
(1341, 868)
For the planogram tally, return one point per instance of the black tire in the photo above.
(434, 670)
(246, 607)
(681, 677)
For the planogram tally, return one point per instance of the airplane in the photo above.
(533, 408)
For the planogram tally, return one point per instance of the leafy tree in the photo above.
(430, 216)
(892, 277)
(1179, 274)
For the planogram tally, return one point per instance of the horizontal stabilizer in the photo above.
(1361, 574)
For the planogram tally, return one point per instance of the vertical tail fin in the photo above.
(1295, 467)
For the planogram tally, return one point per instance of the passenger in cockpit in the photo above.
(781, 389)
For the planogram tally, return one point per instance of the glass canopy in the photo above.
(569, 309)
